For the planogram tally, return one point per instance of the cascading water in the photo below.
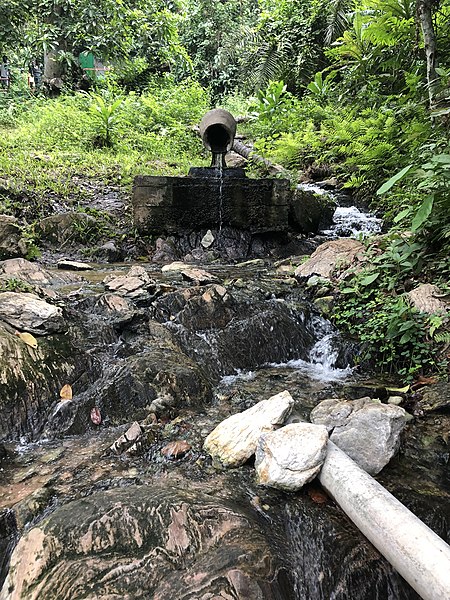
(348, 220)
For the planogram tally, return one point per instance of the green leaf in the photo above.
(369, 279)
(393, 180)
(402, 214)
(423, 213)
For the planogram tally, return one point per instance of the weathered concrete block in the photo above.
(166, 205)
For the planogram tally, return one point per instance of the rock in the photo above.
(176, 449)
(289, 457)
(109, 253)
(426, 299)
(435, 397)
(331, 257)
(310, 211)
(28, 312)
(12, 243)
(72, 265)
(126, 440)
(208, 239)
(324, 305)
(397, 400)
(31, 379)
(156, 541)
(234, 440)
(133, 285)
(235, 160)
(198, 276)
(66, 228)
(368, 431)
(174, 266)
(28, 272)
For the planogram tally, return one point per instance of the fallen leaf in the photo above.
(66, 392)
(317, 495)
(29, 339)
(399, 390)
(176, 449)
(96, 416)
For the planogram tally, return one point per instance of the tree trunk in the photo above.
(248, 153)
(425, 17)
(53, 69)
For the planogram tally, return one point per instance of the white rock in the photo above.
(288, 458)
(234, 440)
(28, 312)
(174, 266)
(207, 239)
(330, 257)
(367, 430)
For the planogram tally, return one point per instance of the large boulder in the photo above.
(12, 242)
(331, 257)
(66, 228)
(291, 456)
(143, 542)
(310, 210)
(20, 269)
(28, 312)
(234, 440)
(368, 431)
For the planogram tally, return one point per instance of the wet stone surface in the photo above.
(153, 515)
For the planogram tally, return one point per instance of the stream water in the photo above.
(269, 340)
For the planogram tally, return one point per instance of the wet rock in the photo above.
(66, 228)
(234, 440)
(198, 276)
(125, 441)
(426, 298)
(311, 211)
(324, 305)
(331, 257)
(147, 542)
(72, 265)
(134, 284)
(28, 312)
(368, 431)
(435, 397)
(176, 449)
(289, 457)
(31, 378)
(12, 243)
(165, 250)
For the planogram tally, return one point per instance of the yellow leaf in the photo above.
(28, 339)
(66, 392)
(402, 390)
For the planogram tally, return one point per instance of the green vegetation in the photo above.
(355, 90)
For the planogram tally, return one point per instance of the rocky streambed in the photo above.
(112, 378)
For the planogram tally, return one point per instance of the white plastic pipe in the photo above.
(413, 549)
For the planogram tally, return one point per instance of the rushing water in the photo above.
(327, 557)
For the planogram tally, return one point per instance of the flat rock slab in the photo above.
(330, 257)
(365, 429)
(157, 542)
(289, 457)
(234, 440)
(72, 265)
(28, 312)
(198, 276)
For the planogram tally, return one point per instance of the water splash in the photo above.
(350, 221)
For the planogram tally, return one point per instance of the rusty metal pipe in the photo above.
(217, 130)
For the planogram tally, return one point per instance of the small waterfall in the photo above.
(348, 220)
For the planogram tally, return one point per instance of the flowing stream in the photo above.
(269, 340)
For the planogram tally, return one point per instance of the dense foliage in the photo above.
(357, 90)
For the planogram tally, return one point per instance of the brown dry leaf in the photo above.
(96, 416)
(176, 449)
(317, 495)
(66, 392)
(29, 339)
